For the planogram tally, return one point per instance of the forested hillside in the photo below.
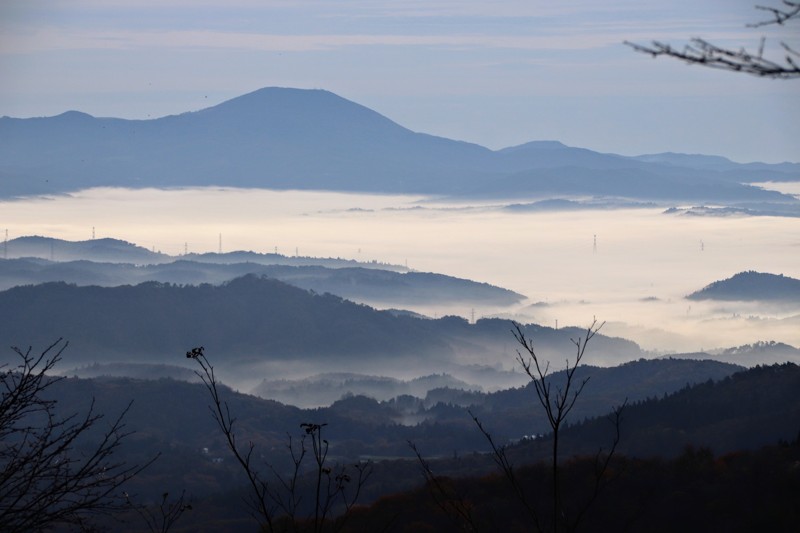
(752, 286)
(249, 319)
(358, 282)
(703, 439)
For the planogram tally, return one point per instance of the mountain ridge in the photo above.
(284, 138)
(255, 319)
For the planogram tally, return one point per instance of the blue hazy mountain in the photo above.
(365, 285)
(106, 250)
(114, 262)
(313, 139)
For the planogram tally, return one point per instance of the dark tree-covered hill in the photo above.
(743, 411)
(251, 319)
(356, 282)
(750, 286)
(716, 456)
(176, 411)
(696, 492)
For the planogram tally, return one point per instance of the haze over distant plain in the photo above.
(498, 74)
(645, 263)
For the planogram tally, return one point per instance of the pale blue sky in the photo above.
(497, 73)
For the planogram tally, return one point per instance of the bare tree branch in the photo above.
(501, 459)
(161, 518)
(261, 501)
(702, 52)
(779, 16)
(602, 462)
(446, 497)
(558, 403)
(52, 470)
(272, 506)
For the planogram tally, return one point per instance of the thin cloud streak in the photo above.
(45, 40)
(57, 39)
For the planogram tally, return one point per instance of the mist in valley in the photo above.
(370, 266)
(631, 268)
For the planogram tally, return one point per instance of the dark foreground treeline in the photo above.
(717, 456)
(697, 491)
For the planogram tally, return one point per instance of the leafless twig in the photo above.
(44, 478)
(702, 52)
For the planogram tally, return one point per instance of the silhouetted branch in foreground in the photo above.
(54, 469)
(702, 52)
(446, 497)
(161, 518)
(276, 503)
(557, 401)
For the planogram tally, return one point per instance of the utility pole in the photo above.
(220, 243)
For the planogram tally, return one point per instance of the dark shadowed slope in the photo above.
(110, 262)
(751, 286)
(250, 319)
(361, 284)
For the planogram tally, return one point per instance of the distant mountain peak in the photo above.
(74, 115)
(270, 94)
(288, 138)
(297, 101)
(536, 145)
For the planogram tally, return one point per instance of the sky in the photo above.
(497, 73)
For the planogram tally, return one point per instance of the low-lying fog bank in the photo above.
(629, 267)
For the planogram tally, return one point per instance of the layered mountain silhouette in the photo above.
(253, 319)
(111, 262)
(105, 250)
(365, 285)
(312, 139)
